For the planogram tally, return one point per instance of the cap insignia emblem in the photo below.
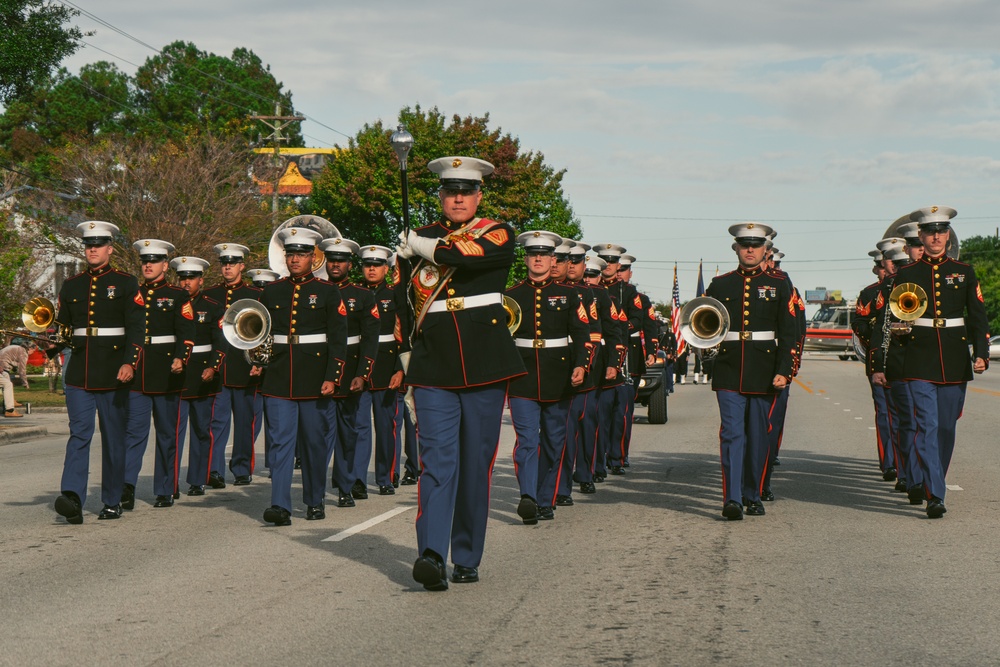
(934, 209)
(92, 225)
(146, 243)
(372, 249)
(537, 234)
(456, 163)
(294, 232)
(750, 226)
(183, 259)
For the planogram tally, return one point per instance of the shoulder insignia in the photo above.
(469, 248)
(343, 309)
(221, 319)
(397, 330)
(138, 299)
(863, 310)
(375, 311)
(791, 305)
(581, 312)
(651, 313)
(614, 311)
(637, 301)
(497, 236)
(187, 311)
(593, 309)
(979, 293)
(880, 301)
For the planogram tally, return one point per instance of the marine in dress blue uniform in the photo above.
(936, 361)
(552, 338)
(462, 359)
(754, 363)
(259, 278)
(98, 306)
(381, 402)
(309, 331)
(617, 395)
(202, 378)
(159, 376)
(238, 406)
(362, 346)
(642, 345)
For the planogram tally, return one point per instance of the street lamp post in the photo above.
(402, 142)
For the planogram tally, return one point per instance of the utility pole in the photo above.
(277, 123)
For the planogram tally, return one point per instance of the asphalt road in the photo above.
(840, 571)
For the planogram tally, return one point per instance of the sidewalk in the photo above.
(35, 425)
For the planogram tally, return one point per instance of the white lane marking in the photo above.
(954, 487)
(847, 409)
(368, 524)
(858, 418)
(871, 428)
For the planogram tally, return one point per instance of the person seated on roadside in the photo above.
(14, 356)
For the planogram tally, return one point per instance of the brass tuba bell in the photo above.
(38, 314)
(247, 326)
(907, 301)
(704, 324)
(513, 310)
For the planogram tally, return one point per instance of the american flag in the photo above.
(675, 315)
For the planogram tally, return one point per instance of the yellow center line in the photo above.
(799, 382)
(990, 392)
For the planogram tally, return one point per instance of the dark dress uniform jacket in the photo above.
(235, 367)
(301, 307)
(594, 347)
(941, 355)
(393, 318)
(614, 328)
(644, 344)
(362, 321)
(470, 347)
(101, 298)
(755, 301)
(168, 313)
(207, 331)
(549, 311)
(865, 315)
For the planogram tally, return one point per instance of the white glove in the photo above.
(404, 360)
(410, 404)
(419, 245)
(403, 250)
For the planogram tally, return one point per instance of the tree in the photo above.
(360, 191)
(194, 193)
(33, 41)
(983, 253)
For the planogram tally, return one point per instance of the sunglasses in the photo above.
(751, 243)
(230, 261)
(576, 261)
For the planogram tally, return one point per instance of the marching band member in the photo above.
(462, 359)
(259, 278)
(642, 344)
(309, 332)
(609, 356)
(107, 326)
(616, 395)
(159, 376)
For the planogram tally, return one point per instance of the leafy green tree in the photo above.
(360, 190)
(983, 253)
(33, 41)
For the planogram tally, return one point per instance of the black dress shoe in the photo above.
(777, 461)
(176, 495)
(733, 511)
(755, 508)
(242, 480)
(935, 508)
(110, 512)
(625, 463)
(916, 494)
(68, 505)
(196, 490)
(409, 479)
(395, 480)
(164, 501)
(599, 477)
(359, 490)
(279, 516)
(564, 501)
(527, 509)
(345, 500)
(587, 487)
(216, 481)
(386, 490)
(889, 474)
(430, 572)
(900, 485)
(315, 513)
(298, 463)
(128, 498)
(617, 470)
(767, 494)
(546, 513)
(464, 575)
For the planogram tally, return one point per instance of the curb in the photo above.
(48, 409)
(18, 433)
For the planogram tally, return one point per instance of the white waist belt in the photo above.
(158, 340)
(295, 339)
(354, 340)
(939, 322)
(198, 349)
(387, 338)
(541, 342)
(635, 334)
(100, 331)
(465, 302)
(749, 335)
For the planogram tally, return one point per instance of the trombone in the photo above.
(247, 326)
(38, 315)
(704, 325)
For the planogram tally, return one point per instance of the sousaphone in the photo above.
(276, 252)
(952, 249)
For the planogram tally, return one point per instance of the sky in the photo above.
(673, 120)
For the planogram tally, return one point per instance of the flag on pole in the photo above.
(675, 315)
(701, 282)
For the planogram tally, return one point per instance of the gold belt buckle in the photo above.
(746, 335)
(293, 339)
(148, 338)
(91, 331)
(538, 342)
(939, 323)
(455, 303)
